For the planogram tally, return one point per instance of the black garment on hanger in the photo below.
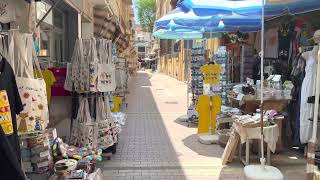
(256, 69)
(10, 166)
(285, 34)
(8, 83)
(297, 77)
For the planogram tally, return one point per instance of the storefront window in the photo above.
(51, 39)
(141, 49)
(44, 43)
(45, 28)
(42, 8)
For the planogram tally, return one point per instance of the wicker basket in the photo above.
(249, 125)
(224, 135)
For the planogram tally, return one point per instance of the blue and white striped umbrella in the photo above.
(249, 7)
(187, 19)
(182, 34)
(177, 19)
(220, 27)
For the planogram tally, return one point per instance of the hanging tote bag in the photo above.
(93, 64)
(20, 54)
(106, 81)
(35, 115)
(84, 130)
(88, 134)
(105, 138)
(3, 47)
(80, 75)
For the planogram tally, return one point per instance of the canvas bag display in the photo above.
(20, 53)
(3, 47)
(83, 129)
(84, 67)
(106, 81)
(79, 69)
(90, 55)
(35, 114)
(105, 127)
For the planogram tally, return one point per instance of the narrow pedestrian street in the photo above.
(156, 144)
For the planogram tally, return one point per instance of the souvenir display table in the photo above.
(271, 134)
(250, 105)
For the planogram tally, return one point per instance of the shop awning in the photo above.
(104, 24)
(122, 26)
(122, 42)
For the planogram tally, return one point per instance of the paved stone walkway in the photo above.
(156, 144)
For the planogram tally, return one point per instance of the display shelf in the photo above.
(221, 58)
(196, 84)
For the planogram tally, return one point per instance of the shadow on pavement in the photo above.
(193, 143)
(145, 149)
(182, 120)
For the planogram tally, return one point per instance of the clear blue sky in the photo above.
(135, 11)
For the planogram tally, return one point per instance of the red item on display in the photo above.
(57, 88)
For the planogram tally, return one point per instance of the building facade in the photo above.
(172, 54)
(142, 42)
(175, 55)
(57, 24)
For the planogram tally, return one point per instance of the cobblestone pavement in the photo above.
(156, 144)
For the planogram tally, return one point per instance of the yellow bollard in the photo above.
(203, 108)
(116, 103)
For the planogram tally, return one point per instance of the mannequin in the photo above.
(307, 90)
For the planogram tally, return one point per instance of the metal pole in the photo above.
(262, 160)
(79, 26)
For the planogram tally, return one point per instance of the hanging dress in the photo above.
(297, 77)
(307, 90)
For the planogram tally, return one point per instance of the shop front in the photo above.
(63, 88)
(236, 98)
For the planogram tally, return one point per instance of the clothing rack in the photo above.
(4, 32)
(62, 63)
(87, 97)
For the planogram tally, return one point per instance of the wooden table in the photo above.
(249, 134)
(249, 106)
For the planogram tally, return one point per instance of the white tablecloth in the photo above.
(271, 134)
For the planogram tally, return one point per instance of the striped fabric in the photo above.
(104, 25)
(178, 34)
(249, 7)
(177, 19)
